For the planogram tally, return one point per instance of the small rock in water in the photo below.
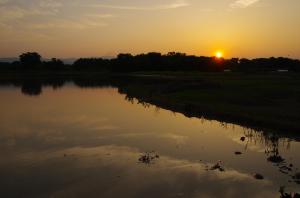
(238, 153)
(258, 176)
(243, 139)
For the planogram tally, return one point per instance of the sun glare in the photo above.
(219, 54)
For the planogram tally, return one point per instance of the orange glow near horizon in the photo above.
(93, 28)
(219, 54)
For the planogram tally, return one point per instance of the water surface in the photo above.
(86, 142)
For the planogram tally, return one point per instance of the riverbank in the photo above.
(269, 101)
(263, 101)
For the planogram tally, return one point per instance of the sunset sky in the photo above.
(86, 28)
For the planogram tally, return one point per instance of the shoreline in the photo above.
(264, 102)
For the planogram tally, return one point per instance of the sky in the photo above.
(93, 28)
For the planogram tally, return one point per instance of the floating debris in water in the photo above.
(218, 166)
(206, 167)
(285, 168)
(148, 157)
(296, 178)
(297, 175)
(287, 195)
(238, 153)
(258, 176)
(243, 139)
(221, 169)
(283, 171)
(275, 159)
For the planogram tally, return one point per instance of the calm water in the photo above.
(75, 142)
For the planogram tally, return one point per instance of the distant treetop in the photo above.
(155, 61)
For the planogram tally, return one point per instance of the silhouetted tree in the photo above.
(91, 64)
(30, 60)
(154, 61)
(123, 63)
(54, 64)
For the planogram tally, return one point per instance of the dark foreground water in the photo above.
(88, 142)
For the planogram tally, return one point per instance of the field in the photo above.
(264, 101)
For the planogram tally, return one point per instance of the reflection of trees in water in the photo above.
(273, 143)
(34, 87)
(130, 99)
(272, 149)
(31, 88)
(134, 100)
(284, 194)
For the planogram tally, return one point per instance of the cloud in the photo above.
(174, 5)
(15, 12)
(47, 14)
(243, 3)
(41, 15)
(101, 16)
(50, 4)
(68, 24)
(3, 1)
(18, 10)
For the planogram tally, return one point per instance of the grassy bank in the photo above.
(262, 101)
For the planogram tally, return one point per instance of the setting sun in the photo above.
(219, 54)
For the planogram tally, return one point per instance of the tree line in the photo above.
(153, 61)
